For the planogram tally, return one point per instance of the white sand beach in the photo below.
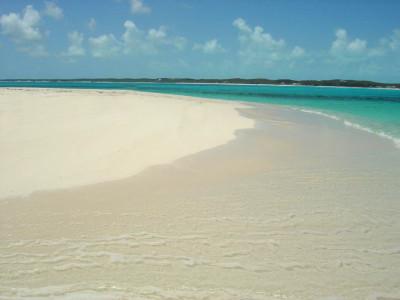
(52, 139)
(145, 196)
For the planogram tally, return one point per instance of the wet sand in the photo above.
(299, 207)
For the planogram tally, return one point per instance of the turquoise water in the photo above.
(373, 110)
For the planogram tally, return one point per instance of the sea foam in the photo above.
(348, 123)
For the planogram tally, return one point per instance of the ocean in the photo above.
(376, 111)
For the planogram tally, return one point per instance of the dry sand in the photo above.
(298, 207)
(51, 139)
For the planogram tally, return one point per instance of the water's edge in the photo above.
(375, 111)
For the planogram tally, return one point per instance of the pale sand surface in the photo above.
(298, 208)
(53, 138)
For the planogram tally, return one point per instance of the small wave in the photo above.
(382, 134)
(333, 117)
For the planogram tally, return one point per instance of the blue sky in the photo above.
(297, 39)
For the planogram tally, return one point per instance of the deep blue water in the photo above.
(374, 110)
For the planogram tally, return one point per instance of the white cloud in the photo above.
(259, 47)
(242, 25)
(347, 50)
(256, 38)
(136, 40)
(138, 7)
(75, 44)
(387, 45)
(53, 10)
(105, 45)
(92, 24)
(132, 38)
(209, 47)
(344, 47)
(157, 35)
(23, 30)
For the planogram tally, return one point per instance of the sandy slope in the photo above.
(52, 139)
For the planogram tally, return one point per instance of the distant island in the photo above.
(332, 82)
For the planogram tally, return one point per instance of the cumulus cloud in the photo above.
(53, 10)
(356, 57)
(105, 45)
(75, 45)
(23, 30)
(259, 47)
(159, 37)
(138, 7)
(136, 40)
(92, 24)
(388, 45)
(157, 34)
(343, 47)
(209, 47)
(132, 38)
(256, 37)
(347, 50)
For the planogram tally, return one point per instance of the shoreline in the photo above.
(381, 134)
(350, 124)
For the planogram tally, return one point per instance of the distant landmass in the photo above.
(332, 82)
